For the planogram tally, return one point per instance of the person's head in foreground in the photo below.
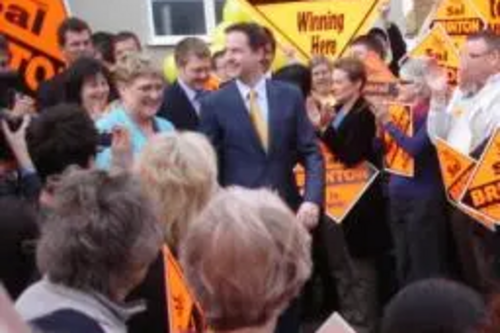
(95, 247)
(246, 257)
(479, 60)
(179, 172)
(413, 87)
(434, 306)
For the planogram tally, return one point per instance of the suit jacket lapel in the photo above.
(242, 115)
(184, 100)
(273, 121)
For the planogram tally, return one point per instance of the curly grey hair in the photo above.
(101, 231)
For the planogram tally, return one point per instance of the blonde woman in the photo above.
(140, 86)
(179, 172)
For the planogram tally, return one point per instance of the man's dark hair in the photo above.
(491, 38)
(103, 43)
(297, 75)
(256, 35)
(371, 43)
(190, 46)
(271, 40)
(76, 75)
(126, 35)
(61, 136)
(434, 306)
(72, 24)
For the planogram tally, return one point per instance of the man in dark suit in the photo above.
(181, 104)
(260, 131)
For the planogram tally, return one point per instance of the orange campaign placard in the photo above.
(438, 45)
(382, 84)
(184, 313)
(483, 189)
(456, 171)
(319, 27)
(397, 160)
(31, 28)
(344, 186)
(460, 18)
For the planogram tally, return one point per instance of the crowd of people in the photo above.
(107, 170)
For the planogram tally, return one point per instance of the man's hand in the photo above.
(437, 80)
(381, 112)
(308, 214)
(17, 143)
(23, 105)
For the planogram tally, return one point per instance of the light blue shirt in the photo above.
(261, 91)
(119, 117)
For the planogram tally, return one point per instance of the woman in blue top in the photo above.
(140, 86)
(417, 204)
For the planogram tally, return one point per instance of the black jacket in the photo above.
(366, 229)
(178, 109)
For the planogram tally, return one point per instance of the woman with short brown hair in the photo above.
(246, 257)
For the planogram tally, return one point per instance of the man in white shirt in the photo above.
(466, 121)
(470, 116)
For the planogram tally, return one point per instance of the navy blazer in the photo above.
(178, 109)
(243, 161)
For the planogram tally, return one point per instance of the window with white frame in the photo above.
(172, 20)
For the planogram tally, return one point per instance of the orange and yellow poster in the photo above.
(382, 84)
(460, 18)
(483, 189)
(315, 27)
(184, 313)
(438, 45)
(456, 171)
(31, 28)
(344, 186)
(396, 159)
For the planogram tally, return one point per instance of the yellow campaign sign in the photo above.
(320, 27)
(459, 18)
(438, 45)
(382, 84)
(456, 171)
(483, 189)
(184, 313)
(344, 186)
(490, 10)
(31, 28)
(397, 160)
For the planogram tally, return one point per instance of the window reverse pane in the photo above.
(179, 17)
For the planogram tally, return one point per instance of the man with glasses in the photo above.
(469, 117)
(466, 121)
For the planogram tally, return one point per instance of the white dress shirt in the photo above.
(261, 90)
(467, 120)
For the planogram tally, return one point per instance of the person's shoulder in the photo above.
(112, 118)
(164, 125)
(67, 320)
(284, 88)
(221, 94)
